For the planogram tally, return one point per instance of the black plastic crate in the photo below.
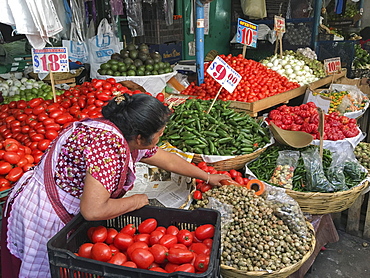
(64, 263)
(331, 49)
(158, 32)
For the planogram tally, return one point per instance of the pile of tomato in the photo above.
(34, 124)
(305, 117)
(150, 246)
(258, 82)
(202, 186)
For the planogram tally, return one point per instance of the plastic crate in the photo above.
(331, 49)
(61, 247)
(158, 32)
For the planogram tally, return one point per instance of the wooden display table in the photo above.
(325, 233)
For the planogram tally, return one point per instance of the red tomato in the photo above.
(205, 231)
(129, 264)
(208, 242)
(99, 234)
(172, 230)
(11, 147)
(143, 258)
(118, 259)
(197, 195)
(200, 248)
(155, 236)
(43, 144)
(129, 229)
(205, 187)
(239, 180)
(101, 252)
(142, 237)
(158, 269)
(90, 232)
(185, 237)
(138, 244)
(168, 240)
(170, 267)
(111, 234)
(5, 167)
(113, 248)
(186, 268)
(147, 226)
(11, 157)
(51, 134)
(85, 250)
(179, 256)
(123, 241)
(160, 97)
(201, 262)
(159, 252)
(14, 174)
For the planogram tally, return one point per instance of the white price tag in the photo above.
(224, 74)
(50, 58)
(279, 24)
(332, 65)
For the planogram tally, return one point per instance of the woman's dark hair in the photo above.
(137, 114)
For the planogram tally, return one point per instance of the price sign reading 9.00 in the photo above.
(247, 33)
(224, 74)
(50, 59)
(332, 65)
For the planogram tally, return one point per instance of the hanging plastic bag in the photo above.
(102, 46)
(77, 48)
(255, 9)
(284, 171)
(135, 17)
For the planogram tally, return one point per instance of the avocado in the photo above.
(128, 61)
(143, 56)
(117, 57)
(149, 61)
(133, 54)
(138, 62)
(156, 55)
(130, 47)
(124, 53)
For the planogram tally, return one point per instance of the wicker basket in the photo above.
(237, 162)
(230, 272)
(324, 203)
(58, 75)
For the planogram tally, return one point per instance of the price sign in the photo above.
(332, 65)
(247, 33)
(50, 58)
(279, 24)
(224, 74)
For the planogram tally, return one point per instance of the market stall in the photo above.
(288, 130)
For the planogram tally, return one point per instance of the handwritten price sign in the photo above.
(247, 33)
(224, 74)
(279, 24)
(332, 65)
(50, 58)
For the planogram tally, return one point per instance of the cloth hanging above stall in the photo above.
(37, 19)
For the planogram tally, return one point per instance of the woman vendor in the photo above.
(87, 169)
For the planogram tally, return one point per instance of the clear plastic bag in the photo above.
(226, 212)
(135, 17)
(315, 176)
(287, 209)
(335, 173)
(285, 166)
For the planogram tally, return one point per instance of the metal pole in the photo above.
(199, 41)
(316, 23)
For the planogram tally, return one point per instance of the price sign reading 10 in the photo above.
(50, 58)
(224, 74)
(247, 33)
(332, 65)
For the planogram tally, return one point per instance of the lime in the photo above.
(109, 72)
(105, 66)
(122, 68)
(140, 73)
(167, 64)
(149, 67)
(132, 67)
(147, 72)
(116, 73)
(112, 62)
(154, 72)
(167, 70)
(161, 71)
(142, 68)
(114, 67)
(161, 65)
(102, 71)
(131, 73)
(123, 73)
(156, 66)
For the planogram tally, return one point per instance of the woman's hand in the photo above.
(139, 200)
(214, 179)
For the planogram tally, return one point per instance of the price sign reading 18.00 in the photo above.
(50, 59)
(224, 74)
(247, 33)
(332, 65)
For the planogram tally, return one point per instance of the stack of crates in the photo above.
(64, 263)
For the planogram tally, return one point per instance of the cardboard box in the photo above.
(171, 52)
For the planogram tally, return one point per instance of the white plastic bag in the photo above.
(254, 9)
(102, 46)
(77, 48)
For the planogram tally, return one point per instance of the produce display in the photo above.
(220, 132)
(305, 117)
(362, 153)
(25, 89)
(255, 235)
(149, 246)
(361, 59)
(298, 34)
(343, 101)
(135, 60)
(296, 66)
(258, 82)
(263, 169)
